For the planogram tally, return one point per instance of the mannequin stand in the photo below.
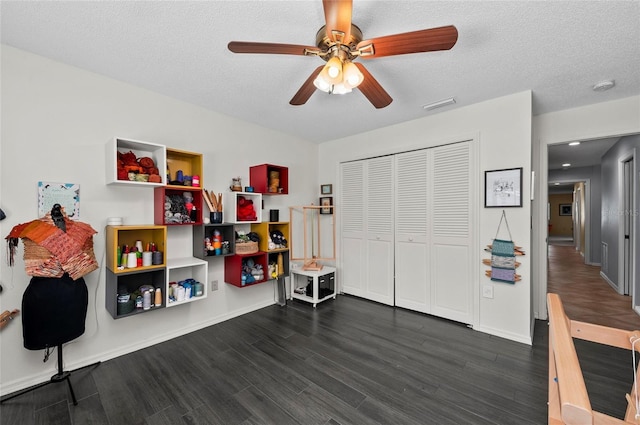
(58, 377)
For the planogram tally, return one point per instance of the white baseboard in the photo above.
(609, 281)
(525, 339)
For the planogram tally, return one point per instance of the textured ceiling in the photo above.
(557, 49)
(585, 154)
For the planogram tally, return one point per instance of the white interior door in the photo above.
(412, 286)
(451, 216)
(407, 234)
(380, 229)
(353, 248)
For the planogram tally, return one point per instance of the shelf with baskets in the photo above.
(269, 179)
(134, 162)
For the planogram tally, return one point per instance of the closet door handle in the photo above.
(411, 239)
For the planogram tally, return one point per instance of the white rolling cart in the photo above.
(313, 286)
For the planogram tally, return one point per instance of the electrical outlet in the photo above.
(214, 285)
(487, 291)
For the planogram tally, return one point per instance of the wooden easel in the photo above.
(310, 261)
(568, 399)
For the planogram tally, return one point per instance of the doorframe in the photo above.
(634, 281)
(542, 241)
(587, 219)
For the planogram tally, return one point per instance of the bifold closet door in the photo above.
(353, 247)
(412, 286)
(367, 229)
(407, 234)
(380, 229)
(451, 214)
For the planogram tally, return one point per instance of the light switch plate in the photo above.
(487, 291)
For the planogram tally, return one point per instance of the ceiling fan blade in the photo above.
(429, 40)
(307, 89)
(337, 15)
(271, 48)
(372, 89)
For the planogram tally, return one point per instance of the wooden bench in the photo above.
(568, 399)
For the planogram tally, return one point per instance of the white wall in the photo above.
(502, 129)
(601, 120)
(56, 121)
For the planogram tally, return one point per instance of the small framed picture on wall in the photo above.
(326, 204)
(565, 209)
(503, 188)
(326, 189)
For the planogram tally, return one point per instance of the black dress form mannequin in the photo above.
(53, 313)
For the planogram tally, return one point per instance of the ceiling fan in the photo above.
(339, 42)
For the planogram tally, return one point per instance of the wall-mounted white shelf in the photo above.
(179, 269)
(141, 149)
(230, 206)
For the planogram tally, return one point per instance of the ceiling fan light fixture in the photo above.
(332, 71)
(340, 88)
(321, 84)
(352, 75)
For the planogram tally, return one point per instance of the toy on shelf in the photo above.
(236, 184)
(277, 240)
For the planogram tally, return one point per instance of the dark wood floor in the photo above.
(350, 361)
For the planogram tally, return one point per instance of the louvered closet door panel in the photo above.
(411, 249)
(451, 233)
(379, 229)
(353, 252)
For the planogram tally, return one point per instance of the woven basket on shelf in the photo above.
(246, 247)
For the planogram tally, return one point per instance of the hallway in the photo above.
(585, 295)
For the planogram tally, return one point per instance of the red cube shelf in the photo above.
(259, 179)
(233, 268)
(159, 200)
